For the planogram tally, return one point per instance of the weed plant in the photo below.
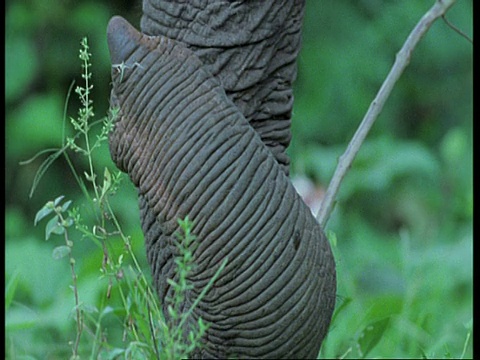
(146, 335)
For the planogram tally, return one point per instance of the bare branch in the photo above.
(401, 61)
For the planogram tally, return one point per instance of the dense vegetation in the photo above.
(402, 224)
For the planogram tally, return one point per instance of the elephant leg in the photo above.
(190, 151)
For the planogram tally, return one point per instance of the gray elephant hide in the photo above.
(185, 137)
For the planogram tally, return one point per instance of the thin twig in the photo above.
(456, 29)
(401, 61)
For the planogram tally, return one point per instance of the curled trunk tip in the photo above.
(122, 38)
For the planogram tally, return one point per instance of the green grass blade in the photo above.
(10, 290)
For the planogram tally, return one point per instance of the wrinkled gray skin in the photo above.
(249, 46)
(205, 102)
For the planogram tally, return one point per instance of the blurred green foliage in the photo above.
(404, 214)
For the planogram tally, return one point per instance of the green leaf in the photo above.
(424, 356)
(46, 210)
(186, 225)
(371, 335)
(67, 222)
(53, 227)
(58, 199)
(90, 309)
(66, 205)
(332, 238)
(344, 302)
(43, 169)
(171, 282)
(111, 354)
(107, 310)
(202, 326)
(60, 252)
(89, 177)
(107, 182)
(10, 290)
(107, 178)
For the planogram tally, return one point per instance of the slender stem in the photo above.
(401, 61)
(64, 121)
(152, 332)
(465, 345)
(77, 306)
(203, 293)
(87, 115)
(78, 311)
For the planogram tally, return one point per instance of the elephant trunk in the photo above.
(190, 151)
(250, 47)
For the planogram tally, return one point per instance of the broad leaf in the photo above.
(53, 227)
(60, 252)
(371, 335)
(43, 212)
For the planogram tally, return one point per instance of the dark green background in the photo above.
(403, 220)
